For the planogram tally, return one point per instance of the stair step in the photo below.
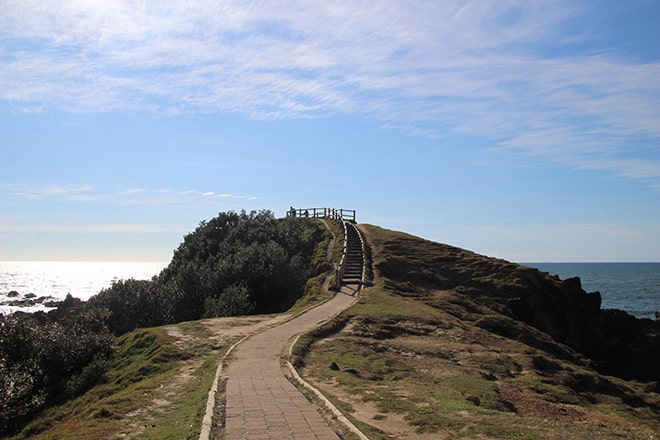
(353, 258)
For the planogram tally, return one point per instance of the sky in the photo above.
(524, 130)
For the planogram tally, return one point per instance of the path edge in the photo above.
(328, 404)
(207, 421)
(340, 416)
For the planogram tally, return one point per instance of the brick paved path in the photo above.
(261, 402)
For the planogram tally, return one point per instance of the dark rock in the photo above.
(66, 308)
(351, 370)
(13, 294)
(573, 283)
(618, 343)
(633, 346)
(474, 399)
(543, 364)
(333, 366)
(40, 316)
(30, 295)
(21, 303)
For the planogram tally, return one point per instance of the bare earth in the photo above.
(223, 332)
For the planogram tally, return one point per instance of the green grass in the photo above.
(144, 360)
(140, 360)
(182, 420)
(378, 303)
(335, 230)
(419, 352)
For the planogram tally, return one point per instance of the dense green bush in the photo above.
(43, 361)
(233, 264)
(242, 263)
(134, 303)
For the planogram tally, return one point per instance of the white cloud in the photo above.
(129, 196)
(132, 191)
(80, 192)
(434, 67)
(146, 196)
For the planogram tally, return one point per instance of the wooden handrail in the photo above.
(342, 263)
(336, 214)
(341, 216)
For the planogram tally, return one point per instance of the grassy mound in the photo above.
(142, 394)
(432, 350)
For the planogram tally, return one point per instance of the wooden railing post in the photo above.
(340, 216)
(336, 214)
(333, 213)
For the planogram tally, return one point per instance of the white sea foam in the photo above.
(59, 278)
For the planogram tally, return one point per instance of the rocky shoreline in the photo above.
(17, 300)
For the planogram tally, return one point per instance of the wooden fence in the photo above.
(336, 214)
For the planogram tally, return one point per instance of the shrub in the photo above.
(42, 361)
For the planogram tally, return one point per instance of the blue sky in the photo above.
(526, 130)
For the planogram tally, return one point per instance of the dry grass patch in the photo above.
(412, 362)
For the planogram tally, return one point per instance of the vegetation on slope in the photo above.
(42, 361)
(140, 395)
(233, 264)
(434, 350)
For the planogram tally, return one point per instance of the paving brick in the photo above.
(261, 402)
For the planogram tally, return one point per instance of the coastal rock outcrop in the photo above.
(618, 343)
(14, 299)
(500, 294)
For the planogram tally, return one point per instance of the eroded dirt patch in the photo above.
(195, 341)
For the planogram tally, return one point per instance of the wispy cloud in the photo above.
(132, 191)
(72, 192)
(129, 196)
(507, 71)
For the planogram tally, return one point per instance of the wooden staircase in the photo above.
(351, 269)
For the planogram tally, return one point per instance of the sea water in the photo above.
(56, 279)
(633, 287)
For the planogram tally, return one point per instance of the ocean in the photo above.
(55, 279)
(633, 287)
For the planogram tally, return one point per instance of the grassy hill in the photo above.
(433, 350)
(445, 343)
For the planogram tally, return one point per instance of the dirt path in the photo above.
(261, 403)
